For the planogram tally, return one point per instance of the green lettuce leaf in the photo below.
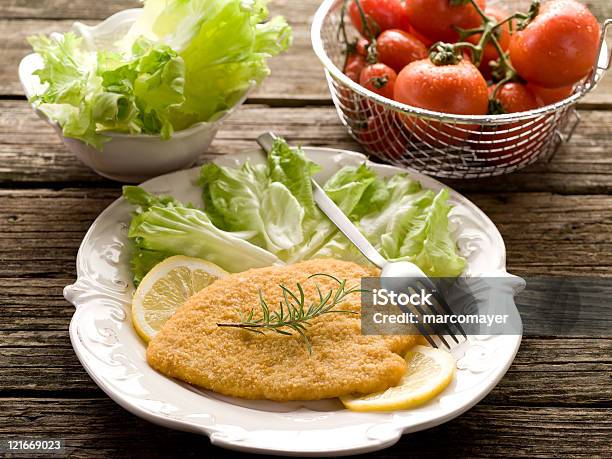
(68, 70)
(340, 248)
(162, 226)
(347, 186)
(420, 234)
(401, 190)
(224, 46)
(232, 196)
(246, 199)
(88, 93)
(144, 200)
(402, 220)
(182, 62)
(290, 167)
(353, 189)
(72, 86)
(282, 215)
(260, 215)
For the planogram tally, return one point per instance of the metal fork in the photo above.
(405, 276)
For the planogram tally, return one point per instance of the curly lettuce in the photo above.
(182, 62)
(262, 214)
(162, 227)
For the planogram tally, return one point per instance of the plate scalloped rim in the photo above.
(113, 355)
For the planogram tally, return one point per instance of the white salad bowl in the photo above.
(126, 157)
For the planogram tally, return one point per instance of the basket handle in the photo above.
(604, 56)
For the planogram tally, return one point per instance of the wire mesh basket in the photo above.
(441, 144)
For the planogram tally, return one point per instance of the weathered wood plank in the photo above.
(31, 152)
(295, 75)
(544, 233)
(27, 339)
(560, 372)
(100, 428)
(74, 9)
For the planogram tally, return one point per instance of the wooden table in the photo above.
(556, 218)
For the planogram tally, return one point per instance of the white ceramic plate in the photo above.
(114, 356)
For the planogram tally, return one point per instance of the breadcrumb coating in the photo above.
(235, 362)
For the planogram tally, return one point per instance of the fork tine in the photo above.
(432, 326)
(428, 284)
(441, 337)
(421, 329)
(427, 336)
(436, 327)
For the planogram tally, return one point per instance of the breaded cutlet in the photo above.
(235, 362)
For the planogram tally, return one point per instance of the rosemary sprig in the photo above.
(293, 313)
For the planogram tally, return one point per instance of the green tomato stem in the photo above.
(372, 55)
(342, 30)
(489, 27)
(484, 17)
(510, 71)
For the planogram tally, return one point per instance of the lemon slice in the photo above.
(429, 371)
(166, 287)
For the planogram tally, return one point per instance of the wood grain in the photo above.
(296, 75)
(30, 151)
(556, 218)
(40, 230)
(572, 372)
(99, 428)
(75, 9)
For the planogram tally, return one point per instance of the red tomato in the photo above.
(458, 89)
(559, 47)
(436, 19)
(503, 37)
(511, 142)
(547, 96)
(514, 97)
(362, 46)
(381, 15)
(422, 38)
(379, 78)
(383, 135)
(397, 49)
(353, 67)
